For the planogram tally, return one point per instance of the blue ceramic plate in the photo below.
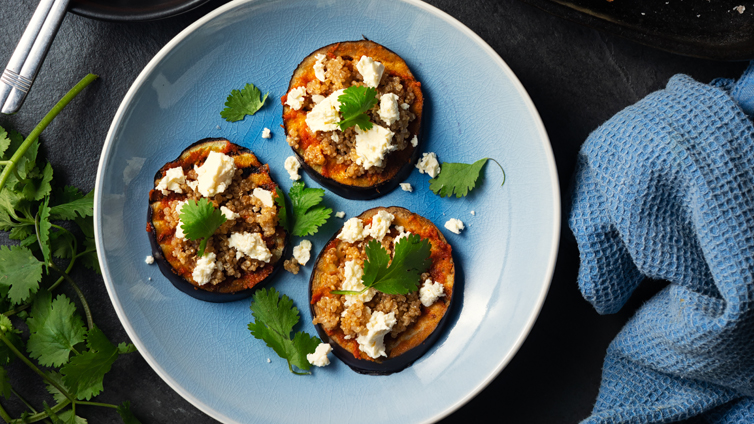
(475, 108)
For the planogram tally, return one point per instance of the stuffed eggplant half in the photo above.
(352, 115)
(374, 332)
(213, 222)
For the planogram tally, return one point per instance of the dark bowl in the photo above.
(132, 10)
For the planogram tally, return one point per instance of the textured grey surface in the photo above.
(577, 79)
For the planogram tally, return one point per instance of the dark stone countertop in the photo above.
(577, 78)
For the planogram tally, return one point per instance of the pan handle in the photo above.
(26, 60)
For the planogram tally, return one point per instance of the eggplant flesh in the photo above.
(398, 164)
(247, 163)
(419, 337)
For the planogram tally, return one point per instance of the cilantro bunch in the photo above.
(54, 230)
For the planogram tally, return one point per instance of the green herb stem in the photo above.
(104, 405)
(501, 168)
(28, 405)
(17, 310)
(34, 368)
(4, 415)
(290, 368)
(41, 415)
(42, 125)
(87, 311)
(350, 292)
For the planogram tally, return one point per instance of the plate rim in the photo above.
(492, 54)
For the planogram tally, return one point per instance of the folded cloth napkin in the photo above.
(665, 189)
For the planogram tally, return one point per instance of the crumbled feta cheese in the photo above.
(264, 195)
(373, 344)
(430, 292)
(302, 252)
(319, 67)
(473, 213)
(335, 137)
(428, 164)
(193, 184)
(216, 174)
(454, 225)
(372, 145)
(317, 98)
(319, 357)
(370, 71)
(268, 360)
(325, 115)
(406, 187)
(292, 165)
(352, 274)
(405, 106)
(402, 235)
(172, 181)
(340, 214)
(266, 133)
(229, 214)
(251, 245)
(380, 224)
(149, 260)
(204, 268)
(389, 108)
(179, 227)
(415, 141)
(353, 231)
(295, 98)
(740, 9)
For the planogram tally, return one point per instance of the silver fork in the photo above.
(26, 60)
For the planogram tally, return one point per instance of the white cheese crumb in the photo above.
(172, 181)
(415, 141)
(740, 9)
(150, 278)
(473, 213)
(179, 227)
(319, 67)
(373, 344)
(229, 214)
(268, 360)
(325, 115)
(266, 133)
(149, 260)
(353, 231)
(295, 98)
(372, 146)
(340, 214)
(389, 108)
(292, 165)
(317, 98)
(405, 106)
(319, 357)
(302, 252)
(428, 164)
(204, 268)
(370, 71)
(216, 174)
(454, 225)
(402, 235)
(251, 245)
(352, 274)
(380, 224)
(407, 187)
(430, 292)
(264, 195)
(194, 185)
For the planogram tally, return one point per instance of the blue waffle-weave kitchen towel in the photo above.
(665, 189)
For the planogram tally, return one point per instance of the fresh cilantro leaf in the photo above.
(4, 140)
(51, 414)
(69, 418)
(6, 355)
(126, 348)
(61, 244)
(89, 259)
(401, 276)
(55, 329)
(282, 209)
(458, 178)
(37, 190)
(85, 372)
(307, 217)
(5, 387)
(86, 225)
(200, 220)
(242, 103)
(354, 102)
(44, 230)
(274, 318)
(56, 394)
(21, 232)
(20, 271)
(128, 417)
(76, 208)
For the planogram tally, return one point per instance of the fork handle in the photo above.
(32, 48)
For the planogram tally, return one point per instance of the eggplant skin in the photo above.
(399, 164)
(158, 230)
(422, 334)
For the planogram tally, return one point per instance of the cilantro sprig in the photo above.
(307, 216)
(274, 318)
(242, 103)
(199, 220)
(354, 103)
(75, 354)
(401, 276)
(459, 178)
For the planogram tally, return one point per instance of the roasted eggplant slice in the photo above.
(246, 250)
(348, 323)
(353, 163)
